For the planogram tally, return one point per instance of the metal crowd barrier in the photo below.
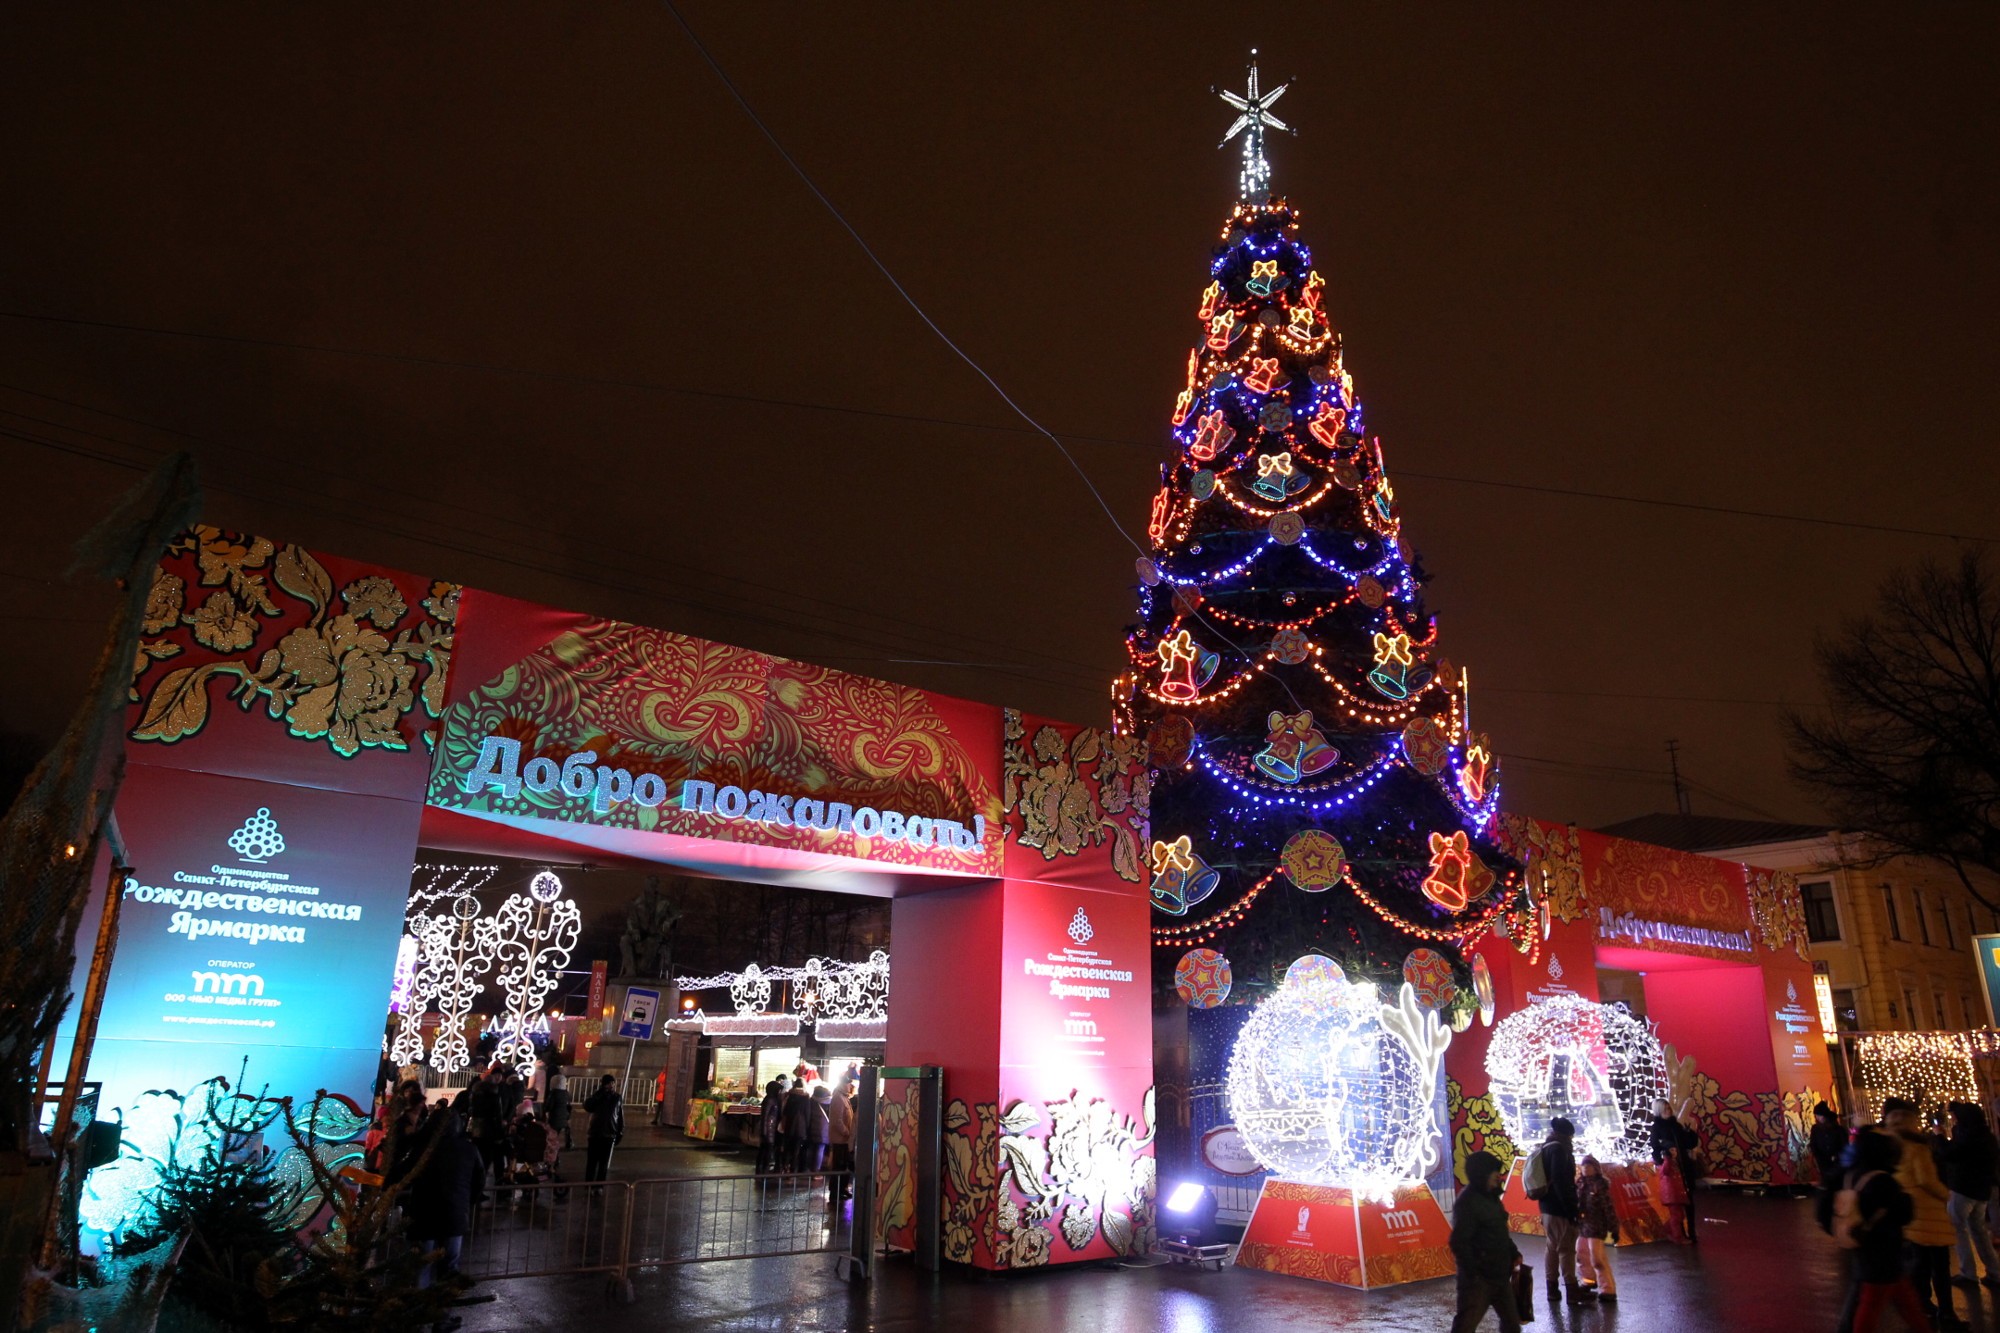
(616, 1226)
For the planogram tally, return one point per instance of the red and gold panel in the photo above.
(1333, 1235)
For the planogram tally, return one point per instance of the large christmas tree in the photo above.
(1320, 786)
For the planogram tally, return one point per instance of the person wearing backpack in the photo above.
(1865, 1216)
(1550, 1179)
(1484, 1249)
(1929, 1232)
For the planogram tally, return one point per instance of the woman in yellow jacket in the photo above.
(1930, 1229)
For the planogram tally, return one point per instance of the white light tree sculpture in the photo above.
(534, 933)
(452, 950)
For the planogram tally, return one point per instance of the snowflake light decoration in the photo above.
(1329, 1085)
(1595, 1064)
(533, 935)
(842, 1001)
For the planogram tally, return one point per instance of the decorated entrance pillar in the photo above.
(1033, 992)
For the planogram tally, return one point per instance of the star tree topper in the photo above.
(1255, 106)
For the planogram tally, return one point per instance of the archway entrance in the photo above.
(380, 712)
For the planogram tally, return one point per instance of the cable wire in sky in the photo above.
(883, 268)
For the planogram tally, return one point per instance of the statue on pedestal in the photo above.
(645, 948)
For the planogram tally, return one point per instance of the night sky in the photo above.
(515, 295)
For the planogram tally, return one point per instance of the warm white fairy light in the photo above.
(1930, 1068)
(1595, 1064)
(453, 950)
(1255, 106)
(1329, 1085)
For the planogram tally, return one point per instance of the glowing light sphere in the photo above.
(1594, 1063)
(1202, 978)
(1329, 1085)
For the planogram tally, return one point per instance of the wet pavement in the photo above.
(1761, 1265)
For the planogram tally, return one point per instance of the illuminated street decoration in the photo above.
(454, 952)
(1595, 1064)
(1328, 1085)
(840, 1001)
(533, 935)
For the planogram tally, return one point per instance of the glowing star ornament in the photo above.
(535, 932)
(1256, 108)
(1185, 666)
(1202, 978)
(1429, 972)
(1168, 742)
(1314, 860)
(1329, 1085)
(1294, 749)
(1594, 1064)
(1393, 659)
(1265, 374)
(1457, 877)
(1428, 745)
(1290, 647)
(1212, 435)
(1286, 528)
(1180, 878)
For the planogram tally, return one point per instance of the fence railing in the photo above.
(616, 1226)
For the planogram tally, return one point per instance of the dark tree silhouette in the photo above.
(1907, 746)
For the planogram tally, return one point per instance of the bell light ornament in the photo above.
(1329, 1085)
(1596, 1064)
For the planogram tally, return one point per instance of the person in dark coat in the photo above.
(558, 1105)
(793, 1123)
(1884, 1210)
(818, 1129)
(1828, 1145)
(771, 1125)
(1485, 1251)
(440, 1200)
(1674, 1144)
(1596, 1229)
(1972, 1169)
(607, 1127)
(1559, 1211)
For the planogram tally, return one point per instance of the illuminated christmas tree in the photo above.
(1320, 786)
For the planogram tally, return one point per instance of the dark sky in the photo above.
(591, 343)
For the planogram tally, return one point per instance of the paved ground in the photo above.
(1761, 1265)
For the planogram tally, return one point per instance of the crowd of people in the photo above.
(806, 1126)
(1901, 1196)
(1908, 1201)
(1579, 1220)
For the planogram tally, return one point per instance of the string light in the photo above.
(1931, 1069)
(1329, 1085)
(1594, 1064)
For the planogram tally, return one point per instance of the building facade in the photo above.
(1894, 935)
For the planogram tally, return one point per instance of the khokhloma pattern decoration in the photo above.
(1596, 1064)
(1329, 1085)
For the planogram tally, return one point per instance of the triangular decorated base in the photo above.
(1332, 1235)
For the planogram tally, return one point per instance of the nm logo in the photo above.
(1402, 1219)
(228, 983)
(1079, 1027)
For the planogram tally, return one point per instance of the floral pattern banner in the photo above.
(351, 666)
(1071, 1174)
(1069, 790)
(621, 697)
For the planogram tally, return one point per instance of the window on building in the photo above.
(1846, 1016)
(1913, 1016)
(1822, 921)
(1889, 917)
(1937, 1007)
(1950, 932)
(1923, 917)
